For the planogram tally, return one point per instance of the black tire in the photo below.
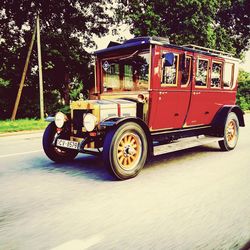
(54, 153)
(231, 133)
(125, 150)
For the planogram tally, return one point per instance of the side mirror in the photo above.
(169, 59)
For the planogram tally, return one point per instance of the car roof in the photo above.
(162, 41)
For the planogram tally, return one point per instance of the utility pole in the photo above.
(19, 93)
(40, 68)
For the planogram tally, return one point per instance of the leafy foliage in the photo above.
(67, 28)
(4, 83)
(218, 24)
(243, 95)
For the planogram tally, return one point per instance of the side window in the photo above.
(201, 73)
(169, 73)
(186, 72)
(216, 75)
(228, 75)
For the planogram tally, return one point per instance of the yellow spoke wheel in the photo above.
(129, 150)
(125, 150)
(231, 133)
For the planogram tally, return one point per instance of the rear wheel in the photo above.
(231, 133)
(55, 153)
(125, 150)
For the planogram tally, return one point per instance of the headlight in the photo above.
(89, 122)
(60, 118)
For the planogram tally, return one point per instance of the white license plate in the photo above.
(67, 144)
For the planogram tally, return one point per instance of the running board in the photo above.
(184, 144)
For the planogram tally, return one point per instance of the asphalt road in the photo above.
(192, 199)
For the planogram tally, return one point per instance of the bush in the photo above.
(243, 95)
(29, 106)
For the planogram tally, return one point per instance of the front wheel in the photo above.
(125, 150)
(55, 153)
(231, 133)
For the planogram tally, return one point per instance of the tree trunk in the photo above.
(66, 88)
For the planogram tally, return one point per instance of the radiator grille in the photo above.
(78, 119)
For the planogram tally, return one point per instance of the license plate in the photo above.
(67, 144)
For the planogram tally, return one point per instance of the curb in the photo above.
(24, 132)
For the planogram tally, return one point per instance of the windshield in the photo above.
(126, 73)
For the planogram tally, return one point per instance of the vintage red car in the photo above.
(150, 97)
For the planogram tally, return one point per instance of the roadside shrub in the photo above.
(243, 95)
(29, 106)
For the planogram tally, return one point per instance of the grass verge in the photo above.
(21, 125)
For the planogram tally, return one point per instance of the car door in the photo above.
(170, 98)
(199, 113)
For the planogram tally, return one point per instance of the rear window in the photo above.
(228, 75)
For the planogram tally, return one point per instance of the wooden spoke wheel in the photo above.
(129, 151)
(125, 150)
(231, 133)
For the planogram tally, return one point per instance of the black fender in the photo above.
(115, 122)
(220, 118)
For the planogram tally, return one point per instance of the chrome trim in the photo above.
(178, 130)
(50, 119)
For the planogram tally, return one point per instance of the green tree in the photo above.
(218, 24)
(243, 93)
(67, 28)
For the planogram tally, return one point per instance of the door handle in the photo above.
(206, 113)
(176, 114)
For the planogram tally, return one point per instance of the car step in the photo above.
(184, 144)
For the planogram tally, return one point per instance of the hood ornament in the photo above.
(80, 97)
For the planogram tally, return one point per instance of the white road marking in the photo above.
(80, 244)
(21, 153)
